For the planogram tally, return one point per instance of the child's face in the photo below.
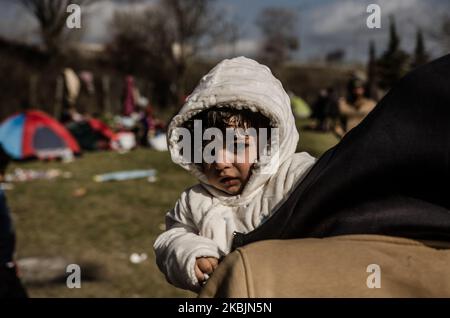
(232, 175)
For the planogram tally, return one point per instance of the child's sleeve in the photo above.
(180, 245)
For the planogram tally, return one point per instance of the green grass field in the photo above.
(107, 224)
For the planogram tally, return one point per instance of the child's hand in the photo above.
(205, 265)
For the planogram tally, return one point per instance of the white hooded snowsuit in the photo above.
(204, 219)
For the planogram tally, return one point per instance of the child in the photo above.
(236, 193)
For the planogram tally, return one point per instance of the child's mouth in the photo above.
(229, 181)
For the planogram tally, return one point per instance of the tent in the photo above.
(92, 134)
(35, 134)
(101, 128)
(299, 107)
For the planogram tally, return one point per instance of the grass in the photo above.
(107, 224)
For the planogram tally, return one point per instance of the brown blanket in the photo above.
(334, 267)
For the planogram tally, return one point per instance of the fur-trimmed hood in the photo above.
(239, 83)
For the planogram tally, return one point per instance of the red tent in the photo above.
(100, 127)
(35, 134)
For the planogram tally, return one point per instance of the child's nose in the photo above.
(224, 158)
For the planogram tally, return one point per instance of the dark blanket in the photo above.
(390, 175)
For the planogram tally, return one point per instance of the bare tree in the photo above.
(193, 24)
(159, 42)
(51, 16)
(142, 45)
(191, 21)
(279, 29)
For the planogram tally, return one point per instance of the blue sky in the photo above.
(324, 25)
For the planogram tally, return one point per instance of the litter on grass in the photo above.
(79, 192)
(23, 175)
(136, 258)
(127, 175)
(6, 186)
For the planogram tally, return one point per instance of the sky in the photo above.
(323, 25)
